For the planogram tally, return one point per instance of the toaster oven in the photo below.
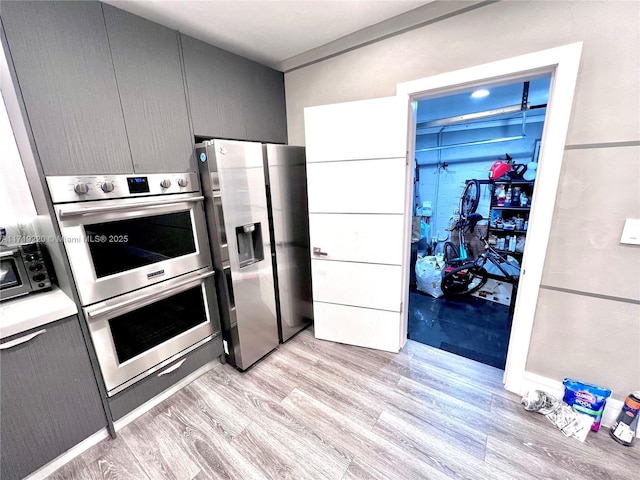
(23, 270)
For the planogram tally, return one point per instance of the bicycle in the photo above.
(472, 276)
(454, 255)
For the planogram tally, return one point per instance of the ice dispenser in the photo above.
(250, 246)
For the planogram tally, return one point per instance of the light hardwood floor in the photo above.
(316, 410)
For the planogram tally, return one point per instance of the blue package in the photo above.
(586, 398)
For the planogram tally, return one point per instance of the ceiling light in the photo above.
(480, 93)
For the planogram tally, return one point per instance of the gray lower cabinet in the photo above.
(147, 388)
(63, 64)
(49, 398)
(231, 96)
(146, 59)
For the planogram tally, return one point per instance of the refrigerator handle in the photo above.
(227, 276)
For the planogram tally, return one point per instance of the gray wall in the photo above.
(587, 321)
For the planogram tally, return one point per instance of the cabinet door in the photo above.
(50, 400)
(62, 60)
(146, 58)
(233, 97)
(217, 82)
(266, 118)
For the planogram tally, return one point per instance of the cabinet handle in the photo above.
(318, 251)
(21, 340)
(172, 368)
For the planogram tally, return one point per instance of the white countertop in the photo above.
(30, 311)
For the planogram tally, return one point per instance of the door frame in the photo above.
(562, 63)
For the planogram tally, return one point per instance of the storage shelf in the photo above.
(502, 230)
(521, 209)
(507, 252)
(514, 182)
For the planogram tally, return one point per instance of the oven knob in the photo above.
(32, 256)
(107, 187)
(81, 188)
(166, 183)
(39, 277)
(36, 267)
(183, 182)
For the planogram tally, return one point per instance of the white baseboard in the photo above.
(531, 381)
(103, 434)
(69, 455)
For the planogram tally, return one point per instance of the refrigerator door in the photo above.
(240, 173)
(287, 180)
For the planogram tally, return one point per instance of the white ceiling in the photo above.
(267, 31)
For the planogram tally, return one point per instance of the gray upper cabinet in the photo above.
(63, 64)
(267, 117)
(231, 96)
(146, 59)
(49, 396)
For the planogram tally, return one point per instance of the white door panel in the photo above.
(357, 326)
(359, 284)
(366, 186)
(357, 182)
(357, 130)
(358, 238)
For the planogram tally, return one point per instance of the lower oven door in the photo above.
(140, 332)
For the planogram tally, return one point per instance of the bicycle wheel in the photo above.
(463, 280)
(470, 198)
(450, 251)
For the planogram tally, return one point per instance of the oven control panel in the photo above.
(103, 187)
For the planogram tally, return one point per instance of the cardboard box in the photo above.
(496, 291)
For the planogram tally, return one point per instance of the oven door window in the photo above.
(9, 276)
(139, 331)
(127, 244)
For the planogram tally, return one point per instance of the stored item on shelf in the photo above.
(520, 241)
(625, 427)
(515, 196)
(526, 225)
(498, 169)
(524, 199)
(500, 243)
(586, 398)
(519, 221)
(501, 195)
(507, 198)
(512, 244)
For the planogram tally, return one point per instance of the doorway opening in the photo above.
(459, 138)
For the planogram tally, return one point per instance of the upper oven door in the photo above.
(117, 246)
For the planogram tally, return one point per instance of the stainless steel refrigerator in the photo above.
(234, 181)
(286, 176)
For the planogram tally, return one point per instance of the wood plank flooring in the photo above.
(320, 410)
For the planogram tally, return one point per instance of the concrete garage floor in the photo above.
(467, 326)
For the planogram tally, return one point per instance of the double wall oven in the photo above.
(139, 253)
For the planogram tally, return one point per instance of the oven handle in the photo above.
(74, 212)
(150, 297)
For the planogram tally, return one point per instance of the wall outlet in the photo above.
(631, 232)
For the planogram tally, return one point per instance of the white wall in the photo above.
(16, 203)
(587, 321)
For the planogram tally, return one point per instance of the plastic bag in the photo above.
(586, 398)
(429, 275)
(570, 422)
